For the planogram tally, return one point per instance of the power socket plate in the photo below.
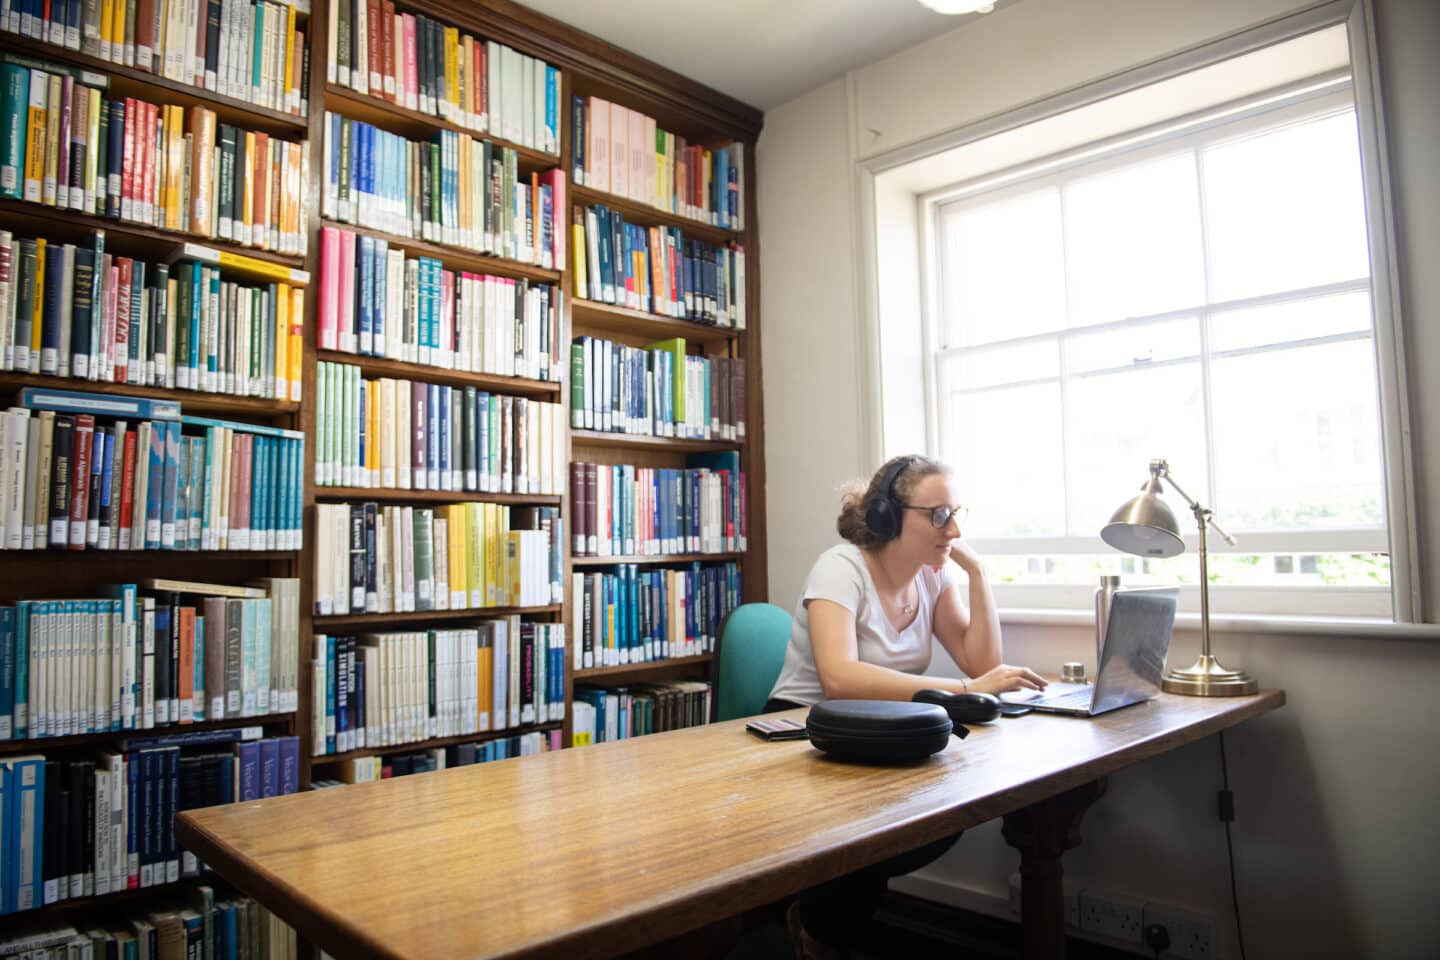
(1192, 935)
(1122, 919)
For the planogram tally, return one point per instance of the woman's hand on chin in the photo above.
(964, 555)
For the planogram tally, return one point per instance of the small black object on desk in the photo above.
(962, 707)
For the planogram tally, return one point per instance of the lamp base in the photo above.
(1207, 678)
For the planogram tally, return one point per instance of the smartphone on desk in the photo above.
(776, 728)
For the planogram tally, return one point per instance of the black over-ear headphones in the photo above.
(883, 513)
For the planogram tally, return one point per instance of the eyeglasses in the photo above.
(940, 516)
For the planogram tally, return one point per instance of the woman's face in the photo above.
(919, 537)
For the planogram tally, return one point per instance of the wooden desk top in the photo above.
(603, 849)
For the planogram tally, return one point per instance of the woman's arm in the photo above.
(972, 637)
(842, 674)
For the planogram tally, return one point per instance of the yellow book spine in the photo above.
(93, 188)
(475, 555)
(580, 256)
(280, 362)
(248, 204)
(107, 15)
(50, 183)
(452, 75)
(37, 314)
(295, 355)
(287, 62)
(174, 200)
(485, 683)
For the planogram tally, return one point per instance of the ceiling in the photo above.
(761, 52)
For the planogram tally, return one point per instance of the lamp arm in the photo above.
(1203, 514)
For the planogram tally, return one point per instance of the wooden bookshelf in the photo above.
(191, 401)
(655, 561)
(326, 759)
(421, 126)
(41, 744)
(628, 441)
(399, 369)
(605, 318)
(143, 85)
(454, 258)
(673, 665)
(368, 621)
(392, 495)
(643, 213)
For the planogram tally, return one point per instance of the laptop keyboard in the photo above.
(1076, 698)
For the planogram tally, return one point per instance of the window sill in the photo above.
(1243, 623)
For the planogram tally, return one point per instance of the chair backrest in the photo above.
(748, 657)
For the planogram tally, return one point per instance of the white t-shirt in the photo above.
(841, 576)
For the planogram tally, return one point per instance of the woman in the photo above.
(863, 631)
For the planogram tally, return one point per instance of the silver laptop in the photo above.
(1136, 640)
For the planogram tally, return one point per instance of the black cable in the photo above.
(1227, 805)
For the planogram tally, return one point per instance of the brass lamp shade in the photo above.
(1145, 526)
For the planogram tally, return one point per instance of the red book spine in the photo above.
(186, 693)
(145, 146)
(387, 51)
(80, 480)
(482, 79)
(247, 449)
(122, 322)
(127, 491)
(259, 215)
(372, 46)
(127, 166)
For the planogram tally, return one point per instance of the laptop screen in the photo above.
(1137, 637)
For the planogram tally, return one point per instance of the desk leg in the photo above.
(1042, 832)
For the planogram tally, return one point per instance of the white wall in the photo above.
(1336, 834)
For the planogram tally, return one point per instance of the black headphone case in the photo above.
(878, 731)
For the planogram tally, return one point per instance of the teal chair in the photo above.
(748, 657)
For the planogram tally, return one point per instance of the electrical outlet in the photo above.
(1119, 918)
(1071, 894)
(1192, 935)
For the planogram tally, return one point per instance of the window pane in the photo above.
(1118, 423)
(992, 366)
(1002, 268)
(1133, 239)
(1285, 209)
(1297, 441)
(1297, 320)
(1133, 346)
(1005, 447)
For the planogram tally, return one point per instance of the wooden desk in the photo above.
(605, 849)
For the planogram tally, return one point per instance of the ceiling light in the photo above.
(952, 7)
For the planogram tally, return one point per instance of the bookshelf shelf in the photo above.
(132, 82)
(625, 441)
(494, 382)
(132, 556)
(607, 318)
(55, 912)
(190, 401)
(674, 664)
(456, 258)
(432, 743)
(366, 620)
(651, 561)
(137, 239)
(417, 125)
(644, 213)
(391, 495)
(38, 744)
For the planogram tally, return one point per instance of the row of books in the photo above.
(656, 269)
(657, 390)
(450, 189)
(639, 616)
(410, 435)
(621, 151)
(90, 827)
(366, 769)
(64, 144)
(625, 510)
(377, 302)
(82, 481)
(421, 64)
(386, 689)
(154, 654)
(77, 311)
(371, 558)
(619, 713)
(194, 920)
(247, 49)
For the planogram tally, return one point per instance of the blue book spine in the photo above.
(446, 403)
(269, 768)
(155, 486)
(15, 92)
(134, 771)
(197, 297)
(7, 841)
(289, 765)
(432, 436)
(194, 521)
(249, 784)
(552, 109)
(171, 492)
(201, 698)
(149, 815)
(377, 316)
(577, 139)
(331, 692)
(332, 150)
(7, 675)
(367, 294)
(172, 806)
(259, 488)
(27, 832)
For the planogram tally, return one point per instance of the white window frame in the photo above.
(878, 419)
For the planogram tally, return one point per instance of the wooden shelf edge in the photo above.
(393, 495)
(189, 400)
(645, 213)
(650, 666)
(455, 257)
(338, 98)
(365, 620)
(325, 759)
(114, 736)
(520, 386)
(607, 316)
(648, 560)
(595, 438)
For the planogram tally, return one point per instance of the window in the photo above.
(1203, 298)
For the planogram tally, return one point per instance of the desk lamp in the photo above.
(1146, 527)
